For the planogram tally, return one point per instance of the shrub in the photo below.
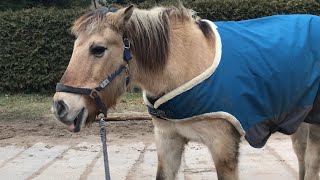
(23, 4)
(35, 48)
(248, 9)
(36, 44)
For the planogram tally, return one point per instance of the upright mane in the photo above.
(148, 31)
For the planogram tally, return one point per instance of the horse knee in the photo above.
(160, 173)
(227, 170)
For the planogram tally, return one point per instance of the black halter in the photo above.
(94, 93)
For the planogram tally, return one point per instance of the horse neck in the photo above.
(191, 53)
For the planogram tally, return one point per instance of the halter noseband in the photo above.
(94, 93)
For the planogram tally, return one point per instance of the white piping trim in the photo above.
(200, 78)
(145, 99)
(195, 81)
(216, 115)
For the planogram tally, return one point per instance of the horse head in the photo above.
(105, 40)
(97, 53)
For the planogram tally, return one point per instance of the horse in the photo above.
(161, 50)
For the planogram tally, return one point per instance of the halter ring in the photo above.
(94, 93)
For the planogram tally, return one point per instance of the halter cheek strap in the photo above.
(94, 93)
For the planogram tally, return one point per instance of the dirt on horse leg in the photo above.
(170, 146)
(312, 155)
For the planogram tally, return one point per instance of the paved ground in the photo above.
(133, 158)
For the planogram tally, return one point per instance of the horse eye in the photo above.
(98, 51)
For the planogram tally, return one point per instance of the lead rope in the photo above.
(103, 135)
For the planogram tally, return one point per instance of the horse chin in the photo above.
(91, 118)
(79, 121)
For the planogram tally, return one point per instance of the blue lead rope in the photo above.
(103, 135)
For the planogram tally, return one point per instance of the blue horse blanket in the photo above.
(265, 78)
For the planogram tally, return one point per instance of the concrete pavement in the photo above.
(138, 160)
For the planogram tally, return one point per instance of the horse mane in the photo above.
(148, 31)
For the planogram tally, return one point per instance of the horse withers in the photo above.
(209, 82)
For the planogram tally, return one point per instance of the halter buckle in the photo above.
(126, 43)
(94, 93)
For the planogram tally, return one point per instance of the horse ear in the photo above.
(123, 15)
(127, 13)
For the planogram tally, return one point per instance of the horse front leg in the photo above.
(170, 146)
(312, 156)
(224, 148)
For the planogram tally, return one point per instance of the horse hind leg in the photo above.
(306, 144)
(312, 154)
(299, 143)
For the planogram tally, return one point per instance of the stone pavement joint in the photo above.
(90, 167)
(121, 159)
(290, 169)
(138, 160)
(9, 153)
(71, 164)
(37, 173)
(30, 161)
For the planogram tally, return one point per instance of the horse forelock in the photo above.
(93, 21)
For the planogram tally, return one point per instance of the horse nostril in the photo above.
(62, 108)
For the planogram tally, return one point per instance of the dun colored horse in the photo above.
(170, 47)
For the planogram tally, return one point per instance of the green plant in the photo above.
(35, 48)
(247, 9)
(25, 4)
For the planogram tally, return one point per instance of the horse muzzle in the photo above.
(72, 116)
